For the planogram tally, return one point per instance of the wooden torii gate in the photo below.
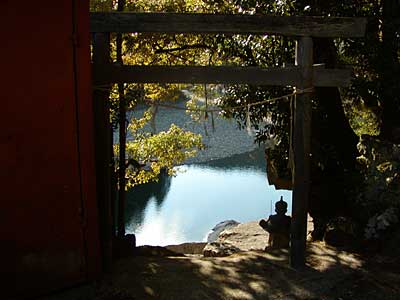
(303, 76)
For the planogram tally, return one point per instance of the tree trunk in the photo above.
(334, 148)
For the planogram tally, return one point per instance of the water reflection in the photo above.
(138, 198)
(184, 208)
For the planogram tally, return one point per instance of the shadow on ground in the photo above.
(330, 274)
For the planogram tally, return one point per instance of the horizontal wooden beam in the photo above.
(124, 22)
(223, 75)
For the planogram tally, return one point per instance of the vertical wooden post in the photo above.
(121, 173)
(102, 127)
(301, 153)
(114, 187)
(122, 137)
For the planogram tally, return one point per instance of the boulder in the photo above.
(246, 236)
(187, 248)
(243, 237)
(216, 249)
(213, 235)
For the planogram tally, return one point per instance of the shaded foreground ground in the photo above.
(330, 274)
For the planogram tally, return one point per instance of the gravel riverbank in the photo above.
(224, 139)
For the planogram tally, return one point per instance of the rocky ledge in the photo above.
(243, 237)
(236, 238)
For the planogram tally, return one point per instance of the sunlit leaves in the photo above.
(163, 150)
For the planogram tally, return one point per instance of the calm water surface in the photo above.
(184, 208)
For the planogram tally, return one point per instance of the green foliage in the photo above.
(381, 168)
(102, 5)
(159, 151)
(362, 118)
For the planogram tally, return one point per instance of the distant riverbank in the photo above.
(224, 139)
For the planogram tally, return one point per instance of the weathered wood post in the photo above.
(102, 128)
(122, 147)
(301, 152)
(122, 138)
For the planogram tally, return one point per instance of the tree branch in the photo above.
(184, 47)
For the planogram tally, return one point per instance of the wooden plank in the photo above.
(224, 75)
(301, 154)
(102, 132)
(183, 74)
(227, 24)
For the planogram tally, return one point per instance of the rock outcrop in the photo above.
(216, 249)
(243, 237)
(215, 232)
(187, 248)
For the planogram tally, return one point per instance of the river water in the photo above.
(184, 208)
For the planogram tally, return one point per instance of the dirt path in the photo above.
(330, 274)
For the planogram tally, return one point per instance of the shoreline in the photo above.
(247, 236)
(222, 140)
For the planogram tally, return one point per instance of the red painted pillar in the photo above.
(48, 220)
